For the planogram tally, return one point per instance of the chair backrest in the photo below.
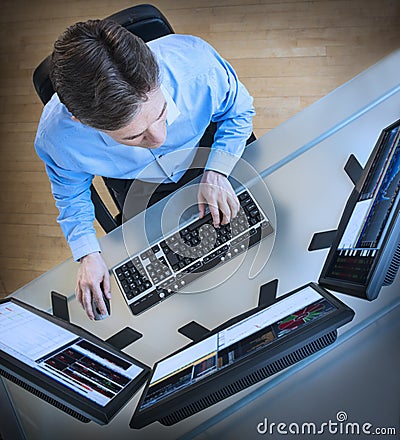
(148, 23)
(145, 21)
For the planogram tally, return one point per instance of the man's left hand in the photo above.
(216, 191)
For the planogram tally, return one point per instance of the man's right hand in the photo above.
(93, 281)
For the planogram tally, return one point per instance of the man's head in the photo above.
(104, 74)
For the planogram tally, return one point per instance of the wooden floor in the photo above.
(288, 53)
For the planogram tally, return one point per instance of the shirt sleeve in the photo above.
(233, 112)
(71, 191)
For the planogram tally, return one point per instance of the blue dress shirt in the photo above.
(198, 85)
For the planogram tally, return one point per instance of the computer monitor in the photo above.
(240, 353)
(365, 254)
(65, 365)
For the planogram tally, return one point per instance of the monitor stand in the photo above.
(119, 340)
(194, 331)
(324, 240)
(267, 296)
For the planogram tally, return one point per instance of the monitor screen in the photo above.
(231, 356)
(366, 252)
(72, 369)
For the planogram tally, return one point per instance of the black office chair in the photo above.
(148, 23)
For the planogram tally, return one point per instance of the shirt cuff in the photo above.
(84, 245)
(221, 161)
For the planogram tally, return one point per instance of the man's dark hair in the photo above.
(103, 73)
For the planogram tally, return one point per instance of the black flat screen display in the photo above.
(369, 231)
(205, 366)
(76, 369)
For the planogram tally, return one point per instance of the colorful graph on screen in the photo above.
(303, 316)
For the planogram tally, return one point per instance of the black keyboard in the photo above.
(156, 273)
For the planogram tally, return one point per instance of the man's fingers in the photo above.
(86, 292)
(93, 280)
(87, 301)
(234, 205)
(214, 211)
(201, 203)
(106, 287)
(216, 191)
(78, 294)
(202, 209)
(226, 212)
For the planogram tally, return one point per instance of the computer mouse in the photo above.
(97, 314)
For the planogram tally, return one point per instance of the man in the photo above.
(127, 110)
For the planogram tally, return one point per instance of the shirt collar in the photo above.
(172, 114)
(172, 109)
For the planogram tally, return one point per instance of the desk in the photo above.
(302, 164)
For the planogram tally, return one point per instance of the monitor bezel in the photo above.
(61, 394)
(220, 379)
(384, 256)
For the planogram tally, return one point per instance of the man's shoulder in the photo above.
(183, 50)
(54, 114)
(56, 126)
(180, 41)
(184, 58)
